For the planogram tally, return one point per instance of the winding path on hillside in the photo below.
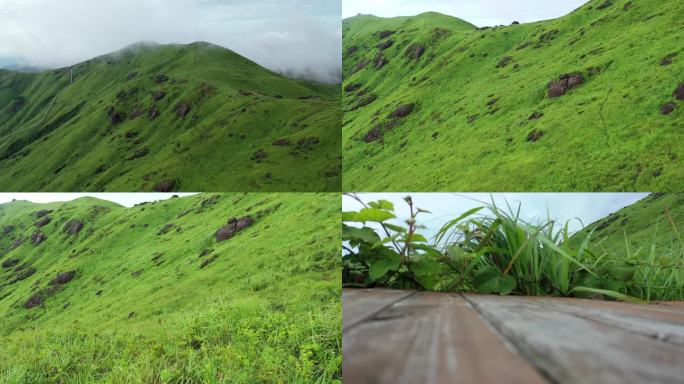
(422, 337)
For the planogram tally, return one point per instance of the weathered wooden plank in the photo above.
(430, 338)
(574, 349)
(360, 304)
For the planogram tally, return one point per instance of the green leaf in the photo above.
(443, 231)
(431, 251)
(417, 238)
(373, 215)
(382, 204)
(622, 271)
(489, 280)
(365, 234)
(395, 228)
(380, 267)
(426, 267)
(613, 294)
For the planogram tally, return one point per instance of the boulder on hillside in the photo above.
(7, 229)
(35, 300)
(385, 34)
(414, 51)
(38, 237)
(402, 111)
(233, 227)
(158, 95)
(380, 61)
(152, 112)
(183, 108)
(565, 82)
(9, 263)
(668, 108)
(679, 92)
(73, 227)
(63, 278)
(385, 44)
(42, 222)
(167, 185)
(42, 212)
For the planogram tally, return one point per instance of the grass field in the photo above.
(431, 103)
(192, 117)
(156, 298)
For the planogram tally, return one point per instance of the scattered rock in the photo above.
(352, 87)
(152, 112)
(137, 273)
(19, 241)
(142, 152)
(166, 229)
(367, 100)
(183, 108)
(668, 108)
(137, 112)
(167, 185)
(605, 5)
(492, 102)
(380, 61)
(259, 156)
(42, 212)
(35, 300)
(42, 222)
(23, 275)
(667, 60)
(504, 61)
(628, 6)
(373, 135)
(472, 118)
(414, 51)
(351, 50)
(360, 65)
(282, 143)
(116, 117)
(73, 227)
(233, 227)
(205, 252)
(402, 111)
(536, 116)
(160, 78)
(535, 136)
(63, 278)
(385, 34)
(9, 263)
(38, 237)
(566, 82)
(385, 44)
(679, 92)
(208, 261)
(6, 230)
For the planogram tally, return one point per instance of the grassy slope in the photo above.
(236, 113)
(644, 223)
(607, 134)
(267, 309)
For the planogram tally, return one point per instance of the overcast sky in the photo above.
(588, 207)
(125, 199)
(298, 36)
(479, 12)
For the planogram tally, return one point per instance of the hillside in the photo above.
(644, 223)
(192, 117)
(171, 291)
(590, 101)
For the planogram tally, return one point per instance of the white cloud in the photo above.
(478, 12)
(54, 33)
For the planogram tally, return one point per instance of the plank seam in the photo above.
(372, 315)
(508, 343)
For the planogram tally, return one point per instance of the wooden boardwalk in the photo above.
(421, 337)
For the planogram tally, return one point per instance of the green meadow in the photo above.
(171, 291)
(591, 101)
(194, 117)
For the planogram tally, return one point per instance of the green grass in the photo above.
(62, 139)
(608, 134)
(498, 252)
(267, 309)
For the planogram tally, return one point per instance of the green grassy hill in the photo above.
(192, 117)
(150, 295)
(650, 221)
(573, 104)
